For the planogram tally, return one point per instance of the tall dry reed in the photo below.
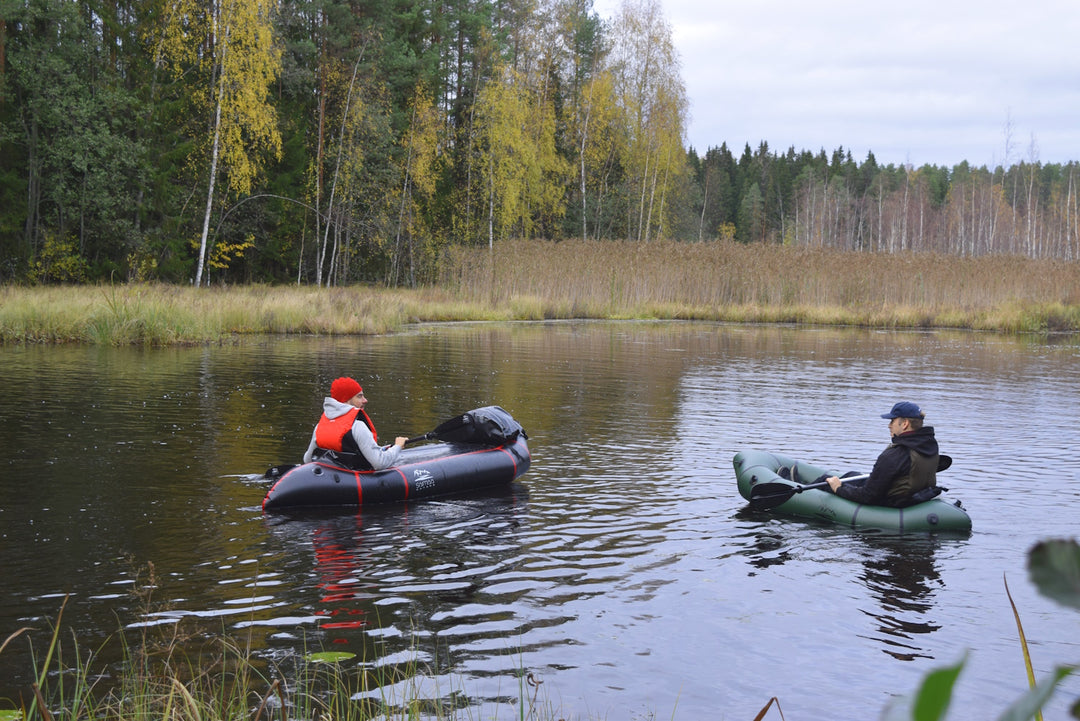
(165, 315)
(733, 281)
(530, 280)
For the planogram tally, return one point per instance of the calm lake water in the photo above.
(624, 570)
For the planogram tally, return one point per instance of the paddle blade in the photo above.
(765, 496)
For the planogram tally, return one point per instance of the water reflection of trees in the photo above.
(384, 582)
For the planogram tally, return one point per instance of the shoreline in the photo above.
(579, 280)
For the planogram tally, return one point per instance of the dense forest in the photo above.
(333, 141)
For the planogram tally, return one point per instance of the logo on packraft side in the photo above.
(422, 479)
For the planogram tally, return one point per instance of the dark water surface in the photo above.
(624, 570)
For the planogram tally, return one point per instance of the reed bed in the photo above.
(169, 315)
(533, 280)
(768, 283)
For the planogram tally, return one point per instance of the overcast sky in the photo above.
(919, 81)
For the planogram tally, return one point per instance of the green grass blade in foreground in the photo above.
(931, 701)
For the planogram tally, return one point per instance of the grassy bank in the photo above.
(532, 280)
(159, 679)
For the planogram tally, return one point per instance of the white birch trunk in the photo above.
(213, 155)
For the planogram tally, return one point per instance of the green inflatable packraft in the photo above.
(761, 483)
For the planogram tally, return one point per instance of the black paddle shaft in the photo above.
(770, 495)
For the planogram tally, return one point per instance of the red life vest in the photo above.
(330, 432)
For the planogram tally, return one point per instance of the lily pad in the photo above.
(330, 656)
(10, 714)
(1054, 568)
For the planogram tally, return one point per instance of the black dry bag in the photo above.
(490, 425)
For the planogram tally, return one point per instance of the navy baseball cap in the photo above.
(904, 409)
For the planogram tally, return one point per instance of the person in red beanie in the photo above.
(346, 434)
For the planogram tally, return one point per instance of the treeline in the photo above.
(331, 141)
(326, 141)
(1028, 208)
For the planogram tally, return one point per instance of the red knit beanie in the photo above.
(343, 389)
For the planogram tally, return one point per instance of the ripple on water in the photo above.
(624, 571)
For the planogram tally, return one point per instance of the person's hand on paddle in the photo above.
(834, 483)
(400, 441)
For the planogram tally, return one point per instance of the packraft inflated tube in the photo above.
(423, 472)
(753, 468)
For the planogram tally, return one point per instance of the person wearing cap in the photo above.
(907, 466)
(346, 429)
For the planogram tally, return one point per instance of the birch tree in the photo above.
(501, 113)
(418, 182)
(598, 129)
(232, 43)
(522, 174)
(646, 67)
